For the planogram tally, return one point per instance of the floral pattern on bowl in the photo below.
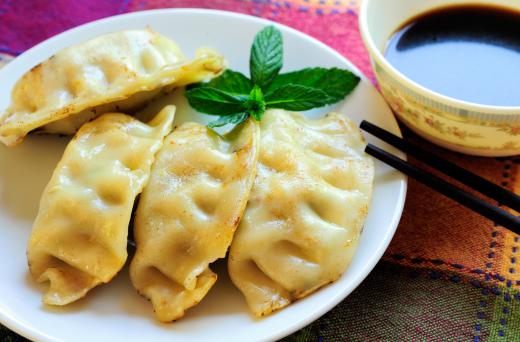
(453, 128)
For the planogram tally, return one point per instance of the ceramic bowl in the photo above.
(454, 124)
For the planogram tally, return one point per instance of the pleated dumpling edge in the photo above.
(79, 237)
(189, 212)
(115, 72)
(306, 210)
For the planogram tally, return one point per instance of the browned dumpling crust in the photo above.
(306, 210)
(115, 72)
(188, 213)
(79, 237)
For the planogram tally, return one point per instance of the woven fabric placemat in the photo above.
(448, 275)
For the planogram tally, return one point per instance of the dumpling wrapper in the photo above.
(188, 213)
(306, 210)
(79, 237)
(115, 72)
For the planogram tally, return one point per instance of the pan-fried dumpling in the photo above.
(116, 72)
(188, 213)
(306, 210)
(79, 237)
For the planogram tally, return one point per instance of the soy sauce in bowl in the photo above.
(467, 52)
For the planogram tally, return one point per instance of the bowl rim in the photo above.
(378, 57)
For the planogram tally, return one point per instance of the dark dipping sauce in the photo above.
(467, 52)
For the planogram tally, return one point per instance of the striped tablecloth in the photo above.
(448, 275)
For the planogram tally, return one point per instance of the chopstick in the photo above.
(478, 205)
(482, 185)
(481, 207)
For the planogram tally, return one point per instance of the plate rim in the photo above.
(12, 323)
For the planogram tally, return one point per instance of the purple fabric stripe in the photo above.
(24, 24)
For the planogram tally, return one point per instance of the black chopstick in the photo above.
(481, 207)
(503, 196)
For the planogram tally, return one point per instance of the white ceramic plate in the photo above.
(114, 312)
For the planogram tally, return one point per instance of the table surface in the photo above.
(448, 275)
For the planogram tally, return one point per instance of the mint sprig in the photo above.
(296, 97)
(337, 83)
(255, 104)
(229, 119)
(232, 82)
(215, 101)
(266, 59)
(235, 98)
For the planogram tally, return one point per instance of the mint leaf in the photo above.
(236, 118)
(235, 97)
(230, 81)
(215, 101)
(255, 103)
(337, 83)
(266, 56)
(296, 97)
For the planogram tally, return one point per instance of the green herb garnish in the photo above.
(234, 97)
